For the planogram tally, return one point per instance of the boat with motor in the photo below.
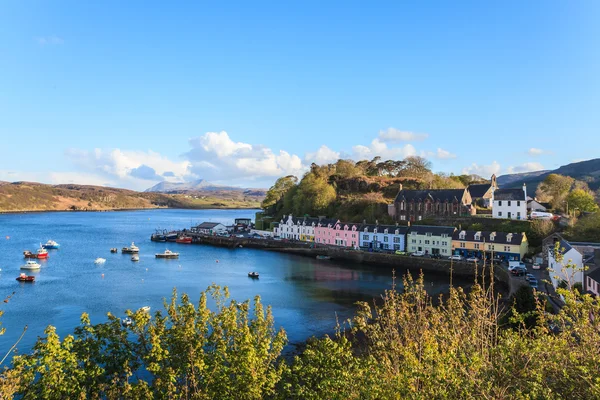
(25, 278)
(31, 265)
(135, 257)
(99, 260)
(171, 237)
(167, 254)
(41, 253)
(253, 274)
(323, 258)
(184, 239)
(126, 321)
(158, 237)
(51, 244)
(145, 309)
(131, 249)
(114, 250)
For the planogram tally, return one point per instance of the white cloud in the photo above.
(379, 148)
(396, 135)
(49, 40)
(214, 156)
(322, 156)
(537, 152)
(482, 170)
(526, 167)
(440, 154)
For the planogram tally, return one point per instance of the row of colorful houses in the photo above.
(430, 240)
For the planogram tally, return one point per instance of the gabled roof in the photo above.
(509, 194)
(327, 221)
(208, 225)
(441, 195)
(595, 275)
(381, 228)
(499, 237)
(434, 230)
(479, 190)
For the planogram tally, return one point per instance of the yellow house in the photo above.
(502, 245)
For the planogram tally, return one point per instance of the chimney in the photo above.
(525, 190)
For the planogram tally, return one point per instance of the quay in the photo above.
(308, 249)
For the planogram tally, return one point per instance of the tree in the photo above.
(582, 200)
(554, 189)
(278, 190)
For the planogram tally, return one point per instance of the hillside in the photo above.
(586, 171)
(31, 196)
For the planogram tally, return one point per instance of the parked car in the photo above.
(401, 253)
(276, 238)
(533, 283)
(455, 257)
(418, 254)
(514, 264)
(472, 259)
(436, 256)
(530, 277)
(518, 271)
(536, 266)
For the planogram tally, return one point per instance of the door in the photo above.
(509, 215)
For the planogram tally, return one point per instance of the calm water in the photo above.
(306, 294)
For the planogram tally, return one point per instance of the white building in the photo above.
(297, 228)
(383, 237)
(510, 203)
(209, 228)
(558, 268)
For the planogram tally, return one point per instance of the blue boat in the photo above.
(51, 244)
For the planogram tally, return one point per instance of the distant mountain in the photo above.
(587, 171)
(194, 186)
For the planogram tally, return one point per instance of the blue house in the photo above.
(383, 237)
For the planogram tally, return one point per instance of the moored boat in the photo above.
(145, 309)
(253, 274)
(135, 257)
(99, 260)
(167, 254)
(184, 239)
(131, 249)
(158, 237)
(40, 253)
(51, 244)
(114, 250)
(25, 278)
(171, 237)
(32, 265)
(323, 258)
(126, 321)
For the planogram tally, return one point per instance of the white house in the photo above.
(558, 268)
(510, 203)
(209, 228)
(383, 237)
(297, 228)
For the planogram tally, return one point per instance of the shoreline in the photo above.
(122, 209)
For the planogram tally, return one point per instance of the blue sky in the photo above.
(128, 93)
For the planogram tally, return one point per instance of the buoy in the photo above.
(103, 276)
(217, 261)
(8, 237)
(146, 269)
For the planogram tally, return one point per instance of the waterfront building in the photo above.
(294, 228)
(430, 239)
(501, 245)
(571, 261)
(482, 193)
(415, 205)
(510, 203)
(383, 237)
(209, 228)
(336, 233)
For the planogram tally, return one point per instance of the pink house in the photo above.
(334, 232)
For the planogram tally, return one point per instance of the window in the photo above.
(509, 203)
(386, 246)
(444, 235)
(462, 245)
(500, 202)
(385, 239)
(427, 242)
(518, 214)
(396, 240)
(444, 243)
(499, 213)
(476, 246)
(506, 248)
(444, 251)
(414, 241)
(518, 204)
(428, 234)
(402, 218)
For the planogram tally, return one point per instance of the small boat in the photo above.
(31, 265)
(51, 244)
(99, 260)
(323, 258)
(131, 249)
(171, 237)
(184, 239)
(40, 253)
(158, 237)
(253, 274)
(167, 254)
(26, 278)
(135, 258)
(114, 250)
(145, 309)
(126, 321)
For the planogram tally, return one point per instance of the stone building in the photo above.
(415, 205)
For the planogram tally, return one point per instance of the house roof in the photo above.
(382, 228)
(595, 274)
(327, 221)
(434, 230)
(208, 225)
(479, 190)
(509, 194)
(499, 237)
(441, 195)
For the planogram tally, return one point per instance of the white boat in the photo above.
(31, 265)
(51, 244)
(253, 274)
(167, 254)
(135, 258)
(126, 321)
(99, 260)
(131, 249)
(145, 309)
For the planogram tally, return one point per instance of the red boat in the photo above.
(41, 253)
(26, 278)
(184, 239)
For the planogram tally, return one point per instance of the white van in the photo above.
(541, 215)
